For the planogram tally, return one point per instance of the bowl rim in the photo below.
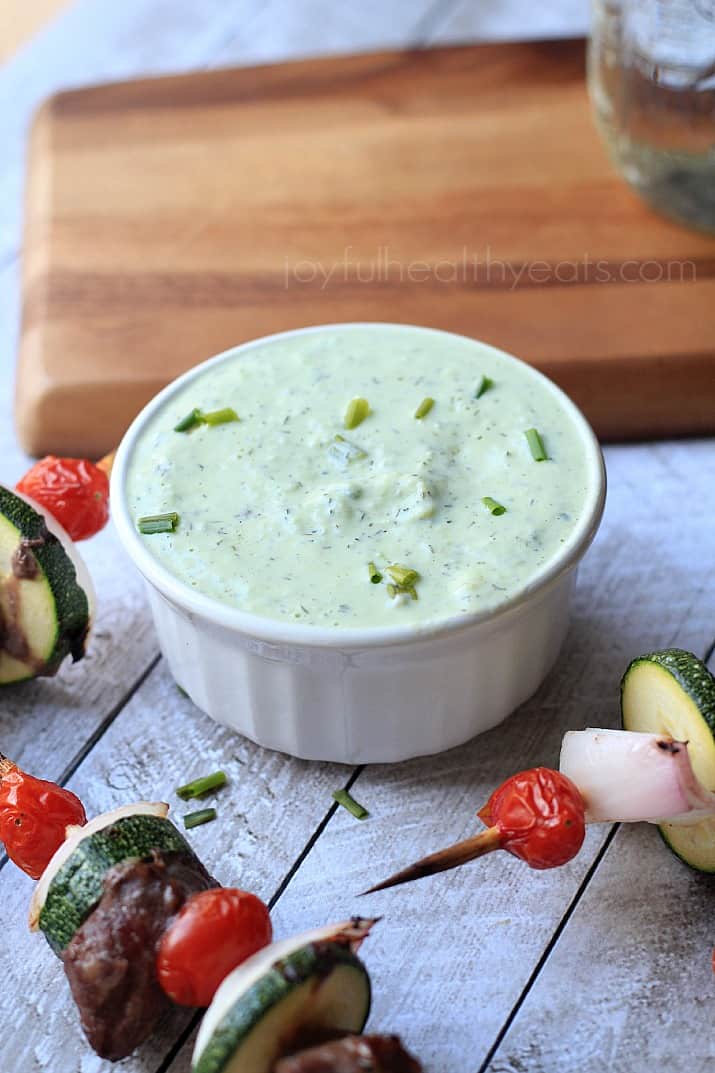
(277, 631)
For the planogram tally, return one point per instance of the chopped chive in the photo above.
(344, 452)
(202, 786)
(195, 819)
(190, 421)
(402, 575)
(375, 575)
(424, 408)
(404, 580)
(357, 411)
(213, 417)
(536, 445)
(220, 417)
(484, 384)
(181, 690)
(348, 801)
(492, 506)
(158, 523)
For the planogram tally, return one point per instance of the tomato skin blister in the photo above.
(540, 815)
(34, 817)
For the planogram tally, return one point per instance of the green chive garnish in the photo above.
(424, 408)
(158, 523)
(536, 446)
(348, 801)
(213, 417)
(220, 417)
(375, 575)
(492, 506)
(404, 580)
(357, 411)
(195, 819)
(402, 575)
(190, 421)
(484, 384)
(344, 452)
(202, 786)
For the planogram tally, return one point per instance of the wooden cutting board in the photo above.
(460, 188)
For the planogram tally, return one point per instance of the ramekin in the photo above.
(359, 695)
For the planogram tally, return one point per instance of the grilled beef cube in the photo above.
(110, 962)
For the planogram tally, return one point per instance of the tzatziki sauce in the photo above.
(328, 502)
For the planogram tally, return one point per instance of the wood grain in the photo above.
(169, 219)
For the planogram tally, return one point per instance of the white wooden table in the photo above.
(603, 965)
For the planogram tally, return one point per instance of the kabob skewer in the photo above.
(138, 923)
(537, 815)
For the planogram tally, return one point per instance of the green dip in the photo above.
(280, 518)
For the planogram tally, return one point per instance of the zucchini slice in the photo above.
(286, 993)
(45, 592)
(73, 882)
(673, 693)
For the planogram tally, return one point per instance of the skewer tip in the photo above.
(444, 860)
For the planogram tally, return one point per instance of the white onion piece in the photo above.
(241, 979)
(625, 776)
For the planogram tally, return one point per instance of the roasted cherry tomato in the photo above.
(34, 816)
(73, 490)
(540, 816)
(214, 932)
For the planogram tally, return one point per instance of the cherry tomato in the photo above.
(214, 932)
(73, 490)
(540, 816)
(34, 816)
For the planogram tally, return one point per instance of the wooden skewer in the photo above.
(461, 852)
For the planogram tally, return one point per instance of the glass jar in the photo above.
(651, 72)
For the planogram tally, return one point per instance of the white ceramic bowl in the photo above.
(358, 695)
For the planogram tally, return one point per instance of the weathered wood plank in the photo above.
(454, 953)
(267, 813)
(281, 29)
(465, 20)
